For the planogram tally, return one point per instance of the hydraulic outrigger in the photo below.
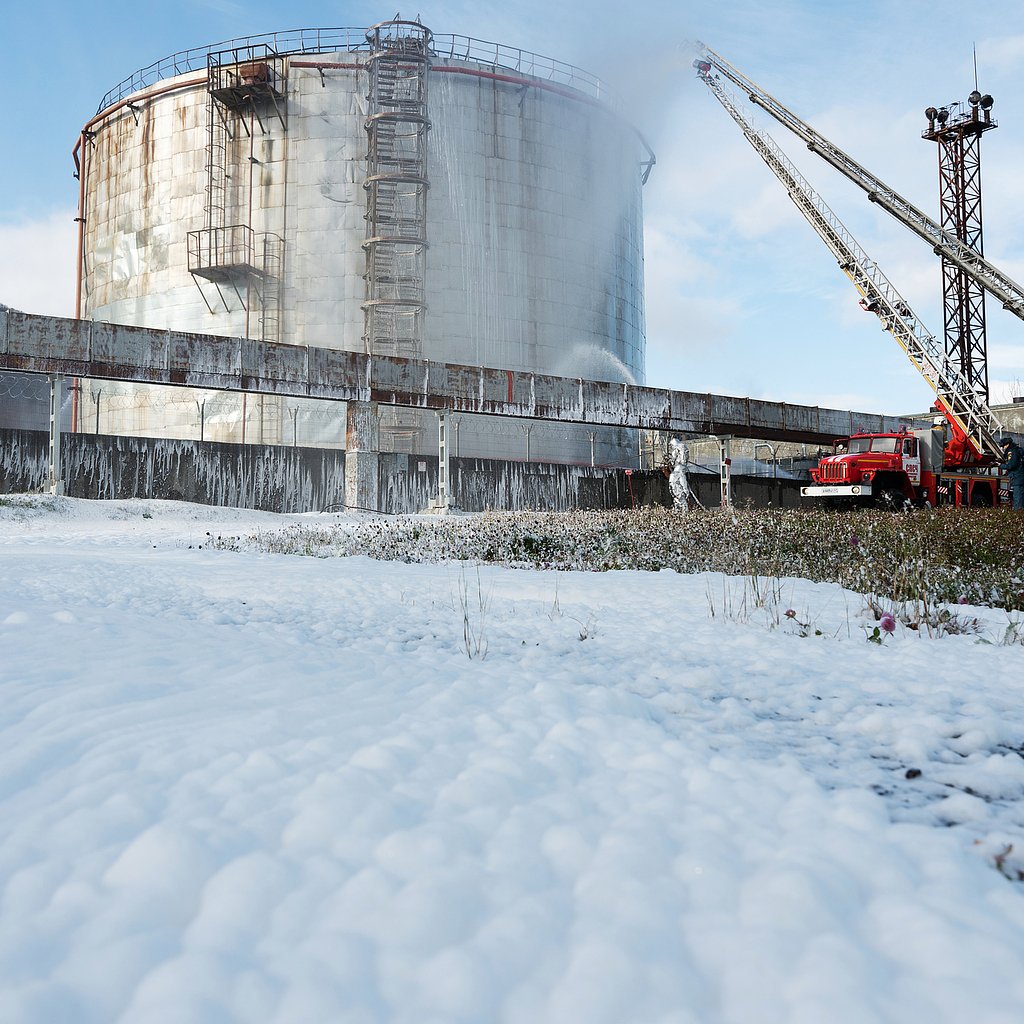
(972, 423)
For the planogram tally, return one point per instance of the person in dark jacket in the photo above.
(1013, 463)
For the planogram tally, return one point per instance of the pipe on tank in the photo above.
(79, 156)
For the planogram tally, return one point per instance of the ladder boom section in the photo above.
(879, 296)
(944, 243)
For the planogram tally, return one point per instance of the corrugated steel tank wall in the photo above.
(534, 222)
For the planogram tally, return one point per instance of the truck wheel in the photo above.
(893, 499)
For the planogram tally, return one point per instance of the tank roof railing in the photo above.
(510, 58)
(330, 40)
(301, 40)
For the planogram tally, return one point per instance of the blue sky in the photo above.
(742, 297)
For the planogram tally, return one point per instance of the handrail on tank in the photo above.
(512, 58)
(328, 40)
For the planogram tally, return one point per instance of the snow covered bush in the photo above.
(912, 564)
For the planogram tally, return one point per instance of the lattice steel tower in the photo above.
(958, 131)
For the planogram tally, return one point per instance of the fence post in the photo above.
(56, 481)
(443, 494)
(725, 470)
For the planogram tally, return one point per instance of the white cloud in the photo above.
(1008, 360)
(679, 322)
(1005, 53)
(37, 264)
(765, 213)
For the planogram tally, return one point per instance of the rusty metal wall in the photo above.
(534, 221)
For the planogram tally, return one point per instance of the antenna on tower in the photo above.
(975, 47)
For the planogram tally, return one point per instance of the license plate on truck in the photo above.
(836, 491)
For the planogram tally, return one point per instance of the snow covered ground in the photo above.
(237, 786)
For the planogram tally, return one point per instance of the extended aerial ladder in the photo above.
(972, 422)
(944, 242)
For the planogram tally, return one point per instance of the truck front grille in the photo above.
(832, 473)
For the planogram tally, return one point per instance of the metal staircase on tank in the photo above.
(218, 138)
(396, 187)
(245, 88)
(268, 282)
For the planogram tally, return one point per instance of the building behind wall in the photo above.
(387, 191)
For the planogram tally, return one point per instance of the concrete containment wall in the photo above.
(278, 479)
(286, 479)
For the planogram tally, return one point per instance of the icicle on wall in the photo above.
(288, 479)
(276, 479)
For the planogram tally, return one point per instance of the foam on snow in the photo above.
(247, 787)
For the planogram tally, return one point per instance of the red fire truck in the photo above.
(904, 468)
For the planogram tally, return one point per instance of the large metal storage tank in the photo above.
(245, 188)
